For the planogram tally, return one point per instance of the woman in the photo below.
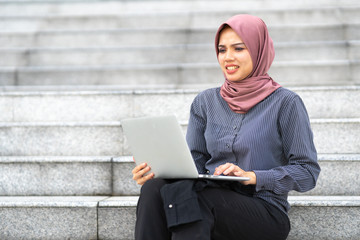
(250, 127)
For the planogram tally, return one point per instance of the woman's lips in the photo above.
(231, 69)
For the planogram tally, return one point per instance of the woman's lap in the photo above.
(228, 215)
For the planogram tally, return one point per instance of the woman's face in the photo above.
(234, 58)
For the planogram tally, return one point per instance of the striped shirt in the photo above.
(274, 139)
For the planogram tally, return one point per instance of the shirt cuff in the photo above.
(265, 180)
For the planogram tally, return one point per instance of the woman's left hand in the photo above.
(230, 169)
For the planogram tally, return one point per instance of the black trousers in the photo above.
(226, 215)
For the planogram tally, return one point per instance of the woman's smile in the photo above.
(231, 69)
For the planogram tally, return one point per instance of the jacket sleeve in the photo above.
(195, 136)
(302, 170)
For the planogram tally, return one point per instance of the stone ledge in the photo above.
(50, 201)
(321, 217)
(324, 201)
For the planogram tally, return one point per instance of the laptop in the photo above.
(160, 142)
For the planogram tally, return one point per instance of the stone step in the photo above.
(49, 217)
(179, 19)
(61, 139)
(346, 167)
(56, 176)
(316, 217)
(60, 176)
(324, 217)
(107, 139)
(36, 8)
(168, 36)
(338, 172)
(287, 73)
(312, 217)
(192, 53)
(97, 105)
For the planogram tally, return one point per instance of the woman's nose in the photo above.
(229, 55)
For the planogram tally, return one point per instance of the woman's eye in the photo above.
(239, 49)
(222, 50)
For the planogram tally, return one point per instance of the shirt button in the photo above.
(235, 127)
(228, 145)
(170, 205)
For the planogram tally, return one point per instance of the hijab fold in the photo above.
(242, 95)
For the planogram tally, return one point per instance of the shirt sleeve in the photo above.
(195, 136)
(302, 170)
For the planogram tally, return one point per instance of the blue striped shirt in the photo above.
(274, 139)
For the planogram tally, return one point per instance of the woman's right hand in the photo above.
(139, 171)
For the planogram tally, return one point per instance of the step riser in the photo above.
(93, 107)
(201, 54)
(324, 223)
(354, 51)
(344, 223)
(156, 37)
(327, 184)
(288, 75)
(48, 223)
(114, 106)
(61, 141)
(65, 179)
(334, 176)
(355, 72)
(114, 218)
(337, 137)
(342, 137)
(180, 20)
(49, 218)
(55, 179)
(307, 223)
(116, 226)
(80, 8)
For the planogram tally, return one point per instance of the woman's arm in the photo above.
(195, 136)
(302, 170)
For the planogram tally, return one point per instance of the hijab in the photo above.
(242, 95)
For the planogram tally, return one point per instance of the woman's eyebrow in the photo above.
(240, 43)
(235, 44)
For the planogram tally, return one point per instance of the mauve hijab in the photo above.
(242, 95)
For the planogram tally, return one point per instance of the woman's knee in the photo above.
(152, 187)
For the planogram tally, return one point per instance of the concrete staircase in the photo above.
(70, 70)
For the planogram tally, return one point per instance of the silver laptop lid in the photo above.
(160, 142)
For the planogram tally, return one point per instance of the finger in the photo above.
(220, 169)
(230, 169)
(138, 168)
(141, 173)
(142, 180)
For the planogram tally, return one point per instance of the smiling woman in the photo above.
(249, 127)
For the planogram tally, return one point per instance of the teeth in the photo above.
(232, 67)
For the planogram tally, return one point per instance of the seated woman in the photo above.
(250, 126)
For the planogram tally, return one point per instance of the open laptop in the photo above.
(160, 142)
